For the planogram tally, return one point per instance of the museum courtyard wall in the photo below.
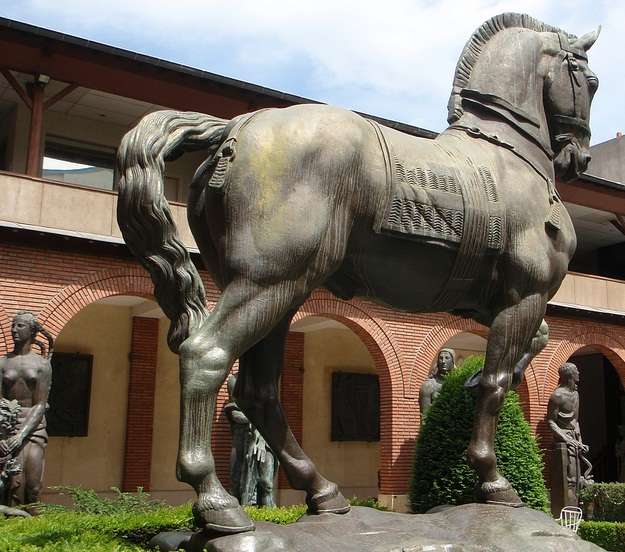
(64, 283)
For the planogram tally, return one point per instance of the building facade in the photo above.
(65, 103)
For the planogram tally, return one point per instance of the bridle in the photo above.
(571, 55)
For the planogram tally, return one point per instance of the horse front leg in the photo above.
(514, 333)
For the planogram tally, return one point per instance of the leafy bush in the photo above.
(441, 472)
(604, 501)
(88, 501)
(606, 534)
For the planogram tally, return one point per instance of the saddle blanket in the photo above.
(444, 197)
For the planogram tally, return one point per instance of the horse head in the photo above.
(517, 73)
(569, 89)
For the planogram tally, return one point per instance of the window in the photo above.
(355, 407)
(70, 395)
(89, 165)
(75, 162)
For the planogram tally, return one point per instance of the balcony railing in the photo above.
(587, 290)
(70, 208)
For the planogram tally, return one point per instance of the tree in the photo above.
(441, 472)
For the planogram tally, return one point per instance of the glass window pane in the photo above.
(71, 161)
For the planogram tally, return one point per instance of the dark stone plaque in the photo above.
(355, 407)
(70, 395)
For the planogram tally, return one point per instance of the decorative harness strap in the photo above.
(219, 163)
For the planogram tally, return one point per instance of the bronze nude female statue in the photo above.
(293, 199)
(26, 378)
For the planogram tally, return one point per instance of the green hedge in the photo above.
(604, 501)
(441, 472)
(606, 534)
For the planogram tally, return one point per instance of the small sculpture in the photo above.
(9, 466)
(26, 379)
(571, 470)
(431, 387)
(252, 463)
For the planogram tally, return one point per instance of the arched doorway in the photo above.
(89, 400)
(341, 405)
(467, 344)
(601, 411)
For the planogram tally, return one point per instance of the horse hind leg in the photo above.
(516, 332)
(257, 394)
(244, 313)
(539, 342)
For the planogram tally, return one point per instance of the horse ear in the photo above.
(585, 42)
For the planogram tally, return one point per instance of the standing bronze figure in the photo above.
(26, 378)
(293, 199)
(445, 363)
(571, 470)
(253, 465)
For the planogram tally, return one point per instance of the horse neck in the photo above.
(504, 96)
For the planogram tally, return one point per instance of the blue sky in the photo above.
(394, 58)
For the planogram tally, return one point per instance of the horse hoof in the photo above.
(328, 502)
(500, 492)
(231, 520)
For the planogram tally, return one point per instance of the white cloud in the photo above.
(393, 58)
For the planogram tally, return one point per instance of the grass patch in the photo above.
(71, 531)
(124, 523)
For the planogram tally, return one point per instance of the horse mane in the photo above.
(475, 45)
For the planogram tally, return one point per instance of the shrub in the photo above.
(604, 501)
(606, 534)
(88, 501)
(441, 472)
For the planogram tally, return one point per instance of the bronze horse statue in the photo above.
(292, 199)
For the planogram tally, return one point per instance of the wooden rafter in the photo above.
(19, 89)
(59, 95)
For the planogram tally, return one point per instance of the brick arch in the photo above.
(434, 341)
(376, 338)
(438, 337)
(76, 296)
(609, 345)
(5, 331)
(385, 356)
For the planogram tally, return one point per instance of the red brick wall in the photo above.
(56, 283)
(291, 390)
(140, 414)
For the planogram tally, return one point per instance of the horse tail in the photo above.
(145, 218)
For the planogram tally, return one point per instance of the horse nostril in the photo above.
(586, 157)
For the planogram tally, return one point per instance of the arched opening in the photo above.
(466, 344)
(601, 411)
(89, 399)
(341, 405)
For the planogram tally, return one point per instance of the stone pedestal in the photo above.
(561, 494)
(467, 528)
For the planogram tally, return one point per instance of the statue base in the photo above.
(466, 528)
